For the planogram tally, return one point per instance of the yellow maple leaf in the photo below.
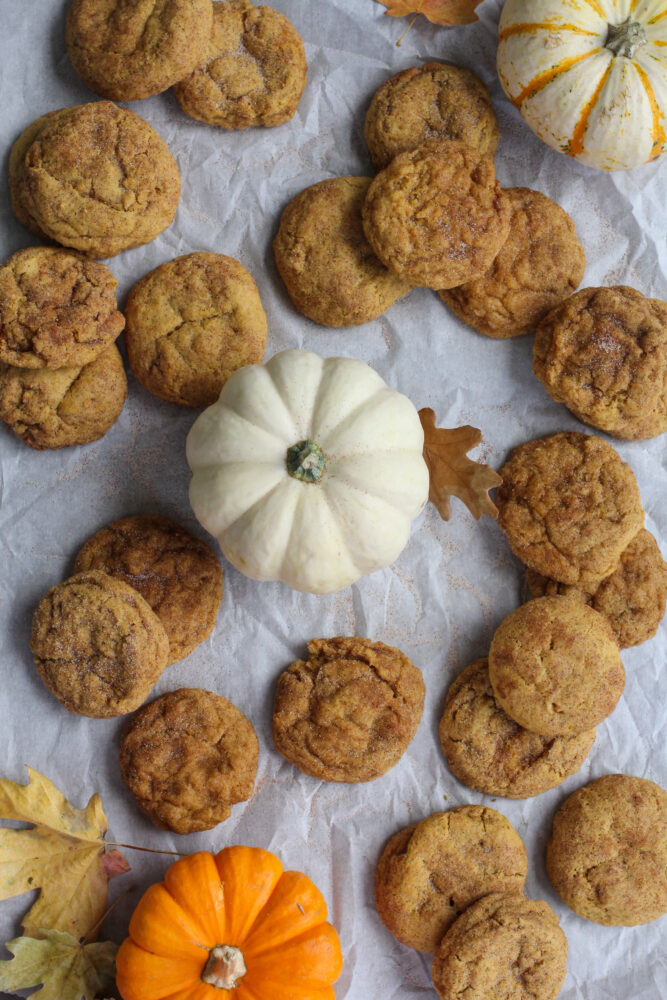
(445, 12)
(65, 968)
(63, 854)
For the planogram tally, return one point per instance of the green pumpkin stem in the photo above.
(624, 39)
(305, 461)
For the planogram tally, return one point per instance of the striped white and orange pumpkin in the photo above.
(589, 76)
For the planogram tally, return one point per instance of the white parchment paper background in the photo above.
(449, 589)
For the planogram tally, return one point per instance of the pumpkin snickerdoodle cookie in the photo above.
(349, 712)
(191, 323)
(129, 49)
(569, 506)
(436, 216)
(555, 667)
(430, 872)
(253, 72)
(187, 758)
(325, 260)
(503, 947)
(490, 752)
(603, 353)
(540, 263)
(607, 856)
(98, 646)
(55, 408)
(632, 598)
(433, 101)
(94, 177)
(57, 309)
(178, 575)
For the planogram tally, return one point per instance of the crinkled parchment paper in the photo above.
(452, 585)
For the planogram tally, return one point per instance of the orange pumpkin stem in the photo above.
(225, 965)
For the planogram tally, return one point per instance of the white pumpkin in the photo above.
(308, 470)
(589, 76)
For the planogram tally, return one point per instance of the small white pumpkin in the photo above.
(589, 76)
(308, 471)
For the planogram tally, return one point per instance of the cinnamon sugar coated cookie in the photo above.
(191, 323)
(94, 177)
(349, 712)
(187, 758)
(98, 646)
(57, 309)
(490, 752)
(129, 49)
(607, 856)
(569, 507)
(603, 353)
(504, 947)
(632, 598)
(253, 72)
(178, 575)
(433, 101)
(16, 164)
(325, 260)
(540, 263)
(555, 667)
(55, 408)
(436, 216)
(430, 872)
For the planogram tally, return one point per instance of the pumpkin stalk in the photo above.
(624, 39)
(305, 461)
(224, 967)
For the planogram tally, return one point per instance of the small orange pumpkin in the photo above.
(233, 926)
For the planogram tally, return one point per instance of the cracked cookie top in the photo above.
(254, 70)
(190, 324)
(98, 646)
(490, 752)
(607, 856)
(430, 872)
(349, 712)
(128, 49)
(569, 506)
(187, 757)
(555, 667)
(94, 177)
(433, 101)
(57, 309)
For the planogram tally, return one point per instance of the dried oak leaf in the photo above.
(444, 12)
(63, 854)
(452, 473)
(65, 969)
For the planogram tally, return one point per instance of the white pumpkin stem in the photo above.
(624, 39)
(224, 967)
(305, 461)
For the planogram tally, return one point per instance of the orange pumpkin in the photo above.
(232, 925)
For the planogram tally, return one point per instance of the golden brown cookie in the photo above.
(187, 757)
(349, 712)
(632, 598)
(504, 947)
(603, 353)
(607, 856)
(430, 872)
(128, 49)
(55, 408)
(436, 216)
(95, 177)
(569, 507)
(433, 101)
(16, 162)
(57, 309)
(254, 70)
(540, 263)
(177, 574)
(325, 260)
(98, 646)
(191, 323)
(555, 667)
(490, 752)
